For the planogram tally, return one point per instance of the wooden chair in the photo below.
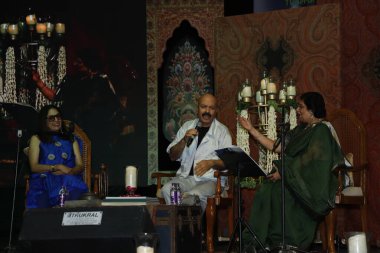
(352, 137)
(86, 157)
(159, 176)
(86, 151)
(218, 201)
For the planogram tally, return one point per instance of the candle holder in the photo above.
(130, 191)
(146, 242)
(357, 242)
(272, 101)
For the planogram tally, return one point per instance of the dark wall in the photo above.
(237, 7)
(117, 29)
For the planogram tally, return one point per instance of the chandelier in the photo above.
(30, 44)
(264, 106)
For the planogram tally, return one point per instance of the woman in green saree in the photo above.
(310, 156)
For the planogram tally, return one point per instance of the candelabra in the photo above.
(266, 105)
(30, 44)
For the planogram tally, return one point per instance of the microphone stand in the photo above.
(10, 248)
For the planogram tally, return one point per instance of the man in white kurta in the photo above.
(194, 146)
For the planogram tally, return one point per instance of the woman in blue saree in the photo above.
(310, 156)
(55, 162)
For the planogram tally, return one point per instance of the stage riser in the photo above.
(42, 230)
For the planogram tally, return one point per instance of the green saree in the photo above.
(311, 155)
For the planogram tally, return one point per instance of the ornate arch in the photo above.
(162, 19)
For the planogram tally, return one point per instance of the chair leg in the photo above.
(323, 235)
(231, 219)
(330, 220)
(210, 220)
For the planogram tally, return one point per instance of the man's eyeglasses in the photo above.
(52, 118)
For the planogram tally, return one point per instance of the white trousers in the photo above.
(189, 186)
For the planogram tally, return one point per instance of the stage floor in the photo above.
(220, 247)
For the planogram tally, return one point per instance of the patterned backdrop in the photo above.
(341, 63)
(186, 75)
(163, 17)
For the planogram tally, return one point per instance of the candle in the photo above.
(282, 95)
(291, 90)
(13, 29)
(131, 176)
(41, 28)
(357, 243)
(4, 28)
(60, 28)
(31, 19)
(271, 88)
(259, 98)
(246, 92)
(145, 249)
(49, 28)
(263, 83)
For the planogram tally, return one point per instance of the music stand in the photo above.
(242, 165)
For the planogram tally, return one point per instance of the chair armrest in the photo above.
(100, 186)
(160, 175)
(218, 191)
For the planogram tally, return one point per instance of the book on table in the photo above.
(129, 201)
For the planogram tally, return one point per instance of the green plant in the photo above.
(250, 182)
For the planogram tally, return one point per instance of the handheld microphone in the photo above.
(190, 140)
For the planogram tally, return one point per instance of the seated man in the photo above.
(194, 146)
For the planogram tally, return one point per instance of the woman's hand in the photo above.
(61, 169)
(245, 123)
(274, 176)
(35, 76)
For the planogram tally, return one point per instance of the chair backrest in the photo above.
(85, 151)
(352, 137)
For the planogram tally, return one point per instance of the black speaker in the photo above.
(96, 229)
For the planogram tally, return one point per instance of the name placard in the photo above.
(82, 218)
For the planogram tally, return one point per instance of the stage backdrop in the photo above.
(333, 49)
(163, 17)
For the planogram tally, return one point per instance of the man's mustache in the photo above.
(206, 114)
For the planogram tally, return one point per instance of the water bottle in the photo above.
(62, 196)
(173, 194)
(178, 194)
